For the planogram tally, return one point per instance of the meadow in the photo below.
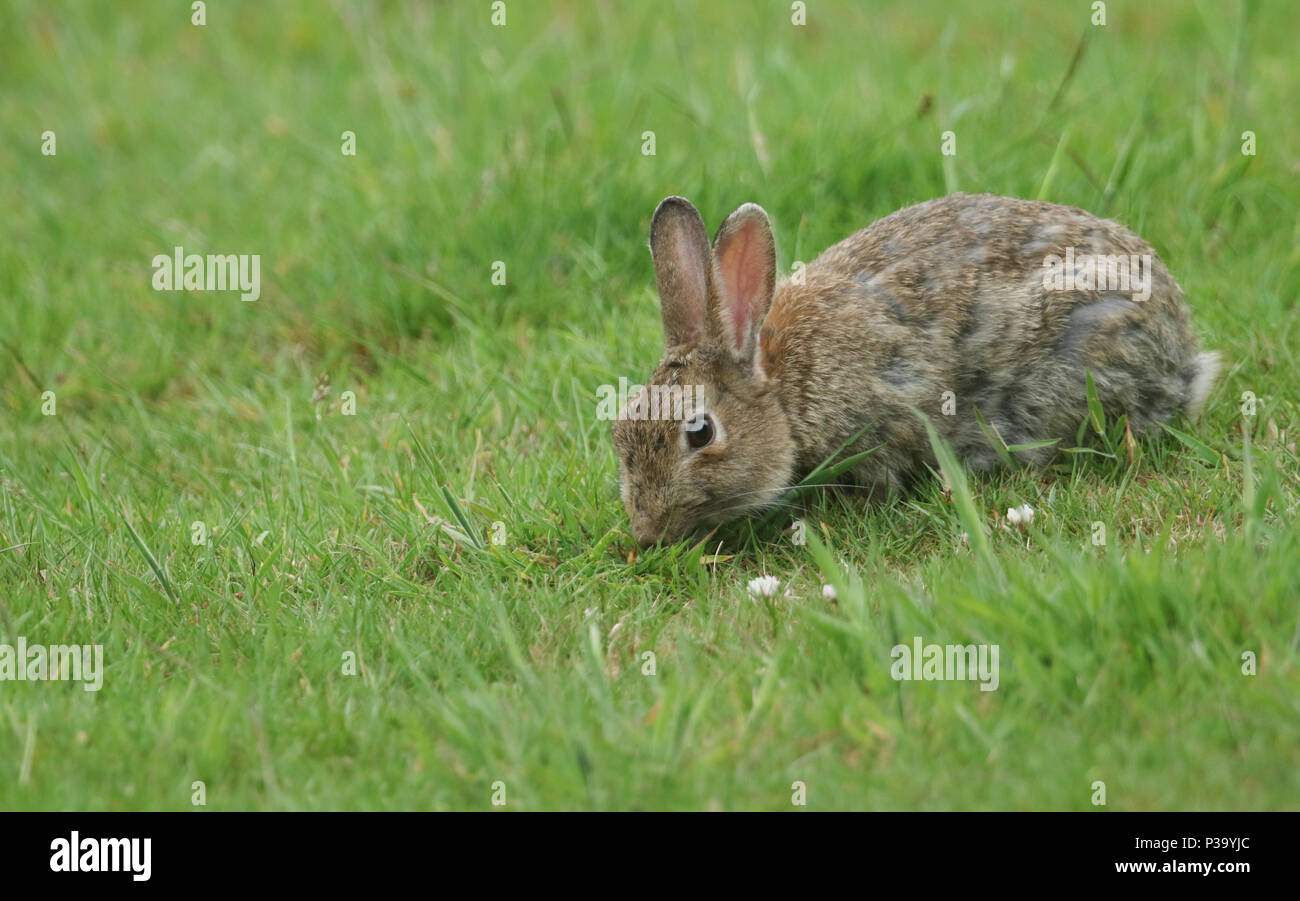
(357, 544)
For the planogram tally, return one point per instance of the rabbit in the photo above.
(949, 295)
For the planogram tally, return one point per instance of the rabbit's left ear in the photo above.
(683, 262)
(744, 255)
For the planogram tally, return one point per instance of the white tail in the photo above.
(1206, 371)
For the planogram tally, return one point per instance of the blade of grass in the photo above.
(150, 558)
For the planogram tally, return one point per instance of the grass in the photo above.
(523, 661)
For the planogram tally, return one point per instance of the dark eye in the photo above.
(699, 431)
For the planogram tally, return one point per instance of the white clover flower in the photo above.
(828, 592)
(764, 586)
(1021, 516)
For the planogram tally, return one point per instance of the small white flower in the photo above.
(828, 592)
(764, 586)
(1020, 516)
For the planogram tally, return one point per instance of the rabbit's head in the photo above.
(707, 439)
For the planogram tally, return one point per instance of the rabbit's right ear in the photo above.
(744, 254)
(683, 261)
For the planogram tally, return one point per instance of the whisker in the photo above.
(741, 508)
(790, 488)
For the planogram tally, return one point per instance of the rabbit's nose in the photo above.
(646, 530)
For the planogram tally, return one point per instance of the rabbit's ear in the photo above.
(744, 253)
(683, 261)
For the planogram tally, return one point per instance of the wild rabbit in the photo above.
(958, 304)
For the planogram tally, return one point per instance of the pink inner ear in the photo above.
(741, 267)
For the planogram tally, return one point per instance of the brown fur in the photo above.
(944, 296)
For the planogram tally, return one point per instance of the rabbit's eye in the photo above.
(699, 431)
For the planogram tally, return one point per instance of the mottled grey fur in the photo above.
(944, 296)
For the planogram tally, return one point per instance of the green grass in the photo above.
(523, 662)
